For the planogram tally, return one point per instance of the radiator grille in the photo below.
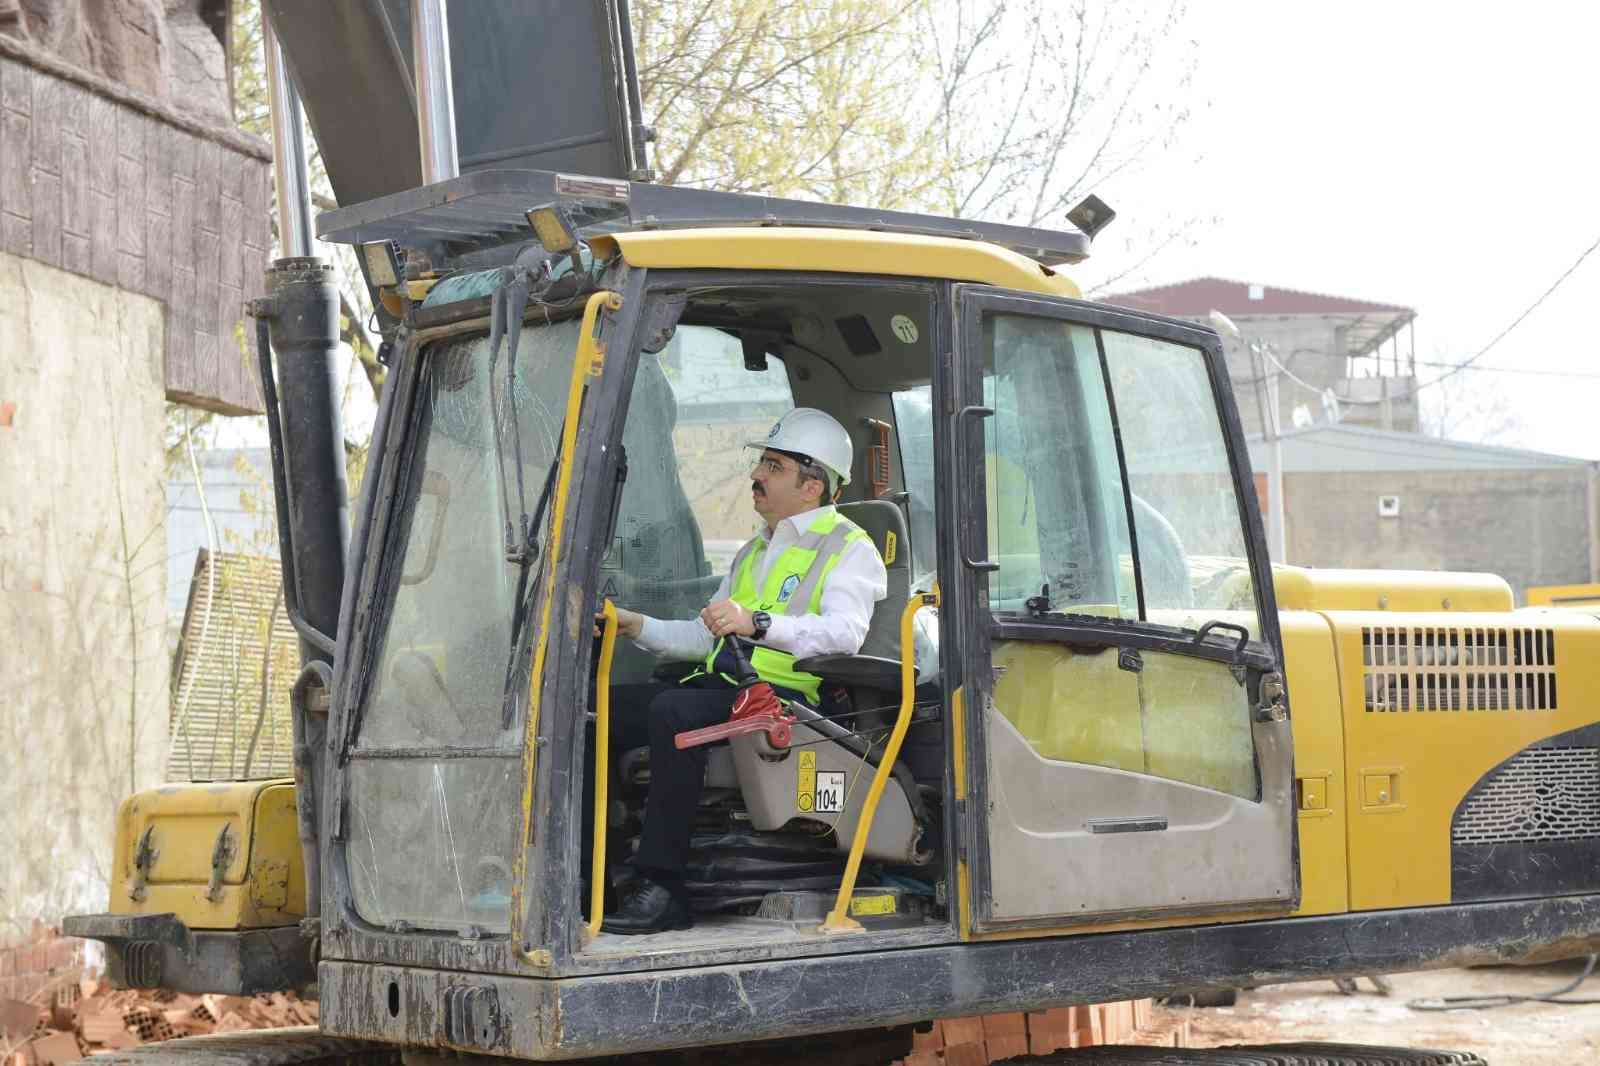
(1542, 794)
(1459, 668)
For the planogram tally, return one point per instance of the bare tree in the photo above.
(1000, 109)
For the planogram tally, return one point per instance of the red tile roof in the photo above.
(1194, 298)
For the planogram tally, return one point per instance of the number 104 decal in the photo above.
(830, 792)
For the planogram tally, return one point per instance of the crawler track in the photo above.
(303, 1046)
(1263, 1055)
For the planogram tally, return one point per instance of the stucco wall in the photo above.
(82, 578)
(1532, 527)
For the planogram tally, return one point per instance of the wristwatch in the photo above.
(763, 622)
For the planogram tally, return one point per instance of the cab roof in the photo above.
(481, 220)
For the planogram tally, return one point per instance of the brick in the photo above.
(183, 147)
(57, 1049)
(1006, 1047)
(158, 253)
(1012, 1024)
(132, 129)
(17, 1019)
(16, 87)
(205, 256)
(47, 218)
(1047, 1033)
(16, 149)
(208, 160)
(158, 168)
(16, 235)
(102, 139)
(47, 101)
(965, 1055)
(962, 1031)
(73, 109)
(228, 262)
(932, 1040)
(75, 210)
(207, 351)
(76, 254)
(183, 197)
(130, 205)
(103, 236)
(256, 190)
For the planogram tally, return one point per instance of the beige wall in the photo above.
(82, 579)
(1532, 527)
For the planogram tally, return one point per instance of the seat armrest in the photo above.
(860, 671)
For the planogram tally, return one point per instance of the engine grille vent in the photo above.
(1542, 794)
(1467, 668)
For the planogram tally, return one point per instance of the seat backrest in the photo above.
(885, 523)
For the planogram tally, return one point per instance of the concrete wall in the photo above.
(1308, 346)
(1532, 527)
(82, 579)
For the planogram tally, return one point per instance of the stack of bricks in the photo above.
(69, 1020)
(996, 1037)
(27, 966)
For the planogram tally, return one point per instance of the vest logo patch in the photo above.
(790, 583)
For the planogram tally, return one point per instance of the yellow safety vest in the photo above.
(793, 586)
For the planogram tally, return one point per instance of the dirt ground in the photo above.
(1527, 1034)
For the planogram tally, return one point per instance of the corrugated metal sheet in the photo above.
(236, 659)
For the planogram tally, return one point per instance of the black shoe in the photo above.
(652, 908)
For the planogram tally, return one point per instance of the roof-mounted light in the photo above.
(1091, 215)
(383, 263)
(552, 224)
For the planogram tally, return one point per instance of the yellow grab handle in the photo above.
(588, 362)
(839, 920)
(602, 766)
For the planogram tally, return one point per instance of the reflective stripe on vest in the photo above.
(793, 586)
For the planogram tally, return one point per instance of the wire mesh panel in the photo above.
(236, 659)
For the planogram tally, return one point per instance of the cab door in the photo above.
(1130, 743)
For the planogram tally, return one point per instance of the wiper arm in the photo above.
(506, 308)
(525, 555)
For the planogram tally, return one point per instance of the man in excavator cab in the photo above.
(804, 585)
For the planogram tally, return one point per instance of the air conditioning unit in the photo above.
(1388, 507)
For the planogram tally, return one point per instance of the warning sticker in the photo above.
(872, 905)
(904, 329)
(806, 782)
(830, 792)
(890, 542)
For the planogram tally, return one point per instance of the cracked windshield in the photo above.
(433, 838)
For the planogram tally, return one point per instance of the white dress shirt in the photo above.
(851, 590)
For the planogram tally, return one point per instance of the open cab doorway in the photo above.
(721, 360)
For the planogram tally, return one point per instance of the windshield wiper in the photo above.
(525, 555)
(506, 308)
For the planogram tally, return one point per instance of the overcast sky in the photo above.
(1439, 156)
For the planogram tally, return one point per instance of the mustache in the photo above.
(756, 487)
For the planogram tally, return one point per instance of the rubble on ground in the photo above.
(78, 1017)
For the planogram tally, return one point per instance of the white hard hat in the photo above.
(815, 434)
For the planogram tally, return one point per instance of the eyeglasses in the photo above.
(771, 464)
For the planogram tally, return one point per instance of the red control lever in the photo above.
(756, 709)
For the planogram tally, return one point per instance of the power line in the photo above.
(1512, 370)
(1515, 323)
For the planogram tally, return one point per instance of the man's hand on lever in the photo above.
(726, 618)
(628, 623)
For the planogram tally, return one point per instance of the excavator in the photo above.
(1096, 745)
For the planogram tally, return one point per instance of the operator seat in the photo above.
(877, 665)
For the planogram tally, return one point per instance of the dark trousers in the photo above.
(651, 715)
